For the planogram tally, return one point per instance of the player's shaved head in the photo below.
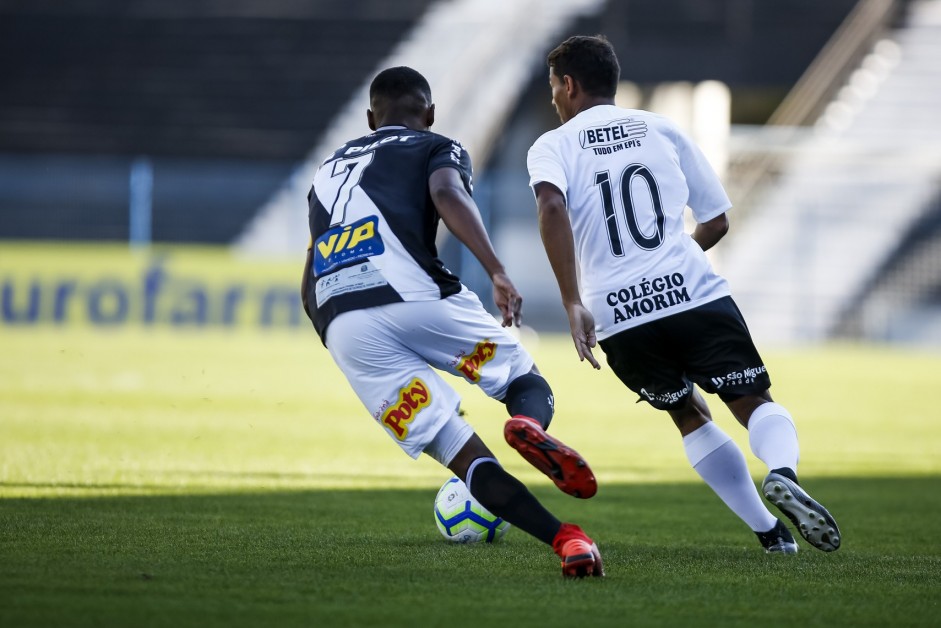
(589, 60)
(399, 94)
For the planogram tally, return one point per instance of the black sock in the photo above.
(505, 496)
(788, 473)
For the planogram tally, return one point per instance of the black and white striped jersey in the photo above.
(373, 223)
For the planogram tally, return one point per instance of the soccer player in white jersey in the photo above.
(392, 316)
(611, 187)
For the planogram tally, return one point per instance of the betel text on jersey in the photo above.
(613, 136)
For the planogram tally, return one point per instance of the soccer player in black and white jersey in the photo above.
(392, 316)
(611, 187)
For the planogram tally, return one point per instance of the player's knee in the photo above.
(530, 395)
(744, 406)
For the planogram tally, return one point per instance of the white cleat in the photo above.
(813, 521)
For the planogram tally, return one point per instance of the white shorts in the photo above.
(387, 354)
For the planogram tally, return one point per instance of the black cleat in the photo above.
(778, 540)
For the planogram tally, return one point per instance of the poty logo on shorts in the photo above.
(412, 399)
(471, 364)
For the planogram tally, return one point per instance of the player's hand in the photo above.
(508, 299)
(582, 324)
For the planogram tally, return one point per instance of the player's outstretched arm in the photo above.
(462, 218)
(556, 231)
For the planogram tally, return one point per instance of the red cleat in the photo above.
(561, 463)
(579, 554)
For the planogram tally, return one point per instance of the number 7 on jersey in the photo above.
(351, 170)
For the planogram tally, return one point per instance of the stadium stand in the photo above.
(478, 55)
(858, 194)
(226, 99)
(186, 78)
(758, 49)
(230, 103)
(223, 97)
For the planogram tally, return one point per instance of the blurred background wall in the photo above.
(171, 122)
(217, 99)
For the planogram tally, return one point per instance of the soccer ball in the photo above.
(461, 518)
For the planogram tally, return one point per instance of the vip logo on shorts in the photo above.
(346, 244)
(470, 365)
(411, 400)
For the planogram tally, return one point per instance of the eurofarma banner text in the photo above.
(108, 285)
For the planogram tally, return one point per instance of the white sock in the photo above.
(773, 436)
(721, 464)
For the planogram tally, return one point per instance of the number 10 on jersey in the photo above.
(626, 187)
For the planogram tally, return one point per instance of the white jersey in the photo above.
(628, 176)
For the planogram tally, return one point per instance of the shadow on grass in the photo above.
(673, 553)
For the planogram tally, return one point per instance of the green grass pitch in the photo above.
(232, 479)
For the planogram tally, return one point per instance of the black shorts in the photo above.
(709, 346)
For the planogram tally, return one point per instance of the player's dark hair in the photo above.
(589, 60)
(402, 88)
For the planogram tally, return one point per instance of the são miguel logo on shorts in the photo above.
(347, 244)
(470, 364)
(411, 400)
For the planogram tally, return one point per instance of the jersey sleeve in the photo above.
(707, 197)
(448, 153)
(545, 166)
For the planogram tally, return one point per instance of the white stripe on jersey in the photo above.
(628, 176)
(396, 265)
